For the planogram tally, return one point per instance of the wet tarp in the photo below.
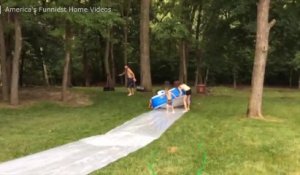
(93, 153)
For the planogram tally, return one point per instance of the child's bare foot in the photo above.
(129, 94)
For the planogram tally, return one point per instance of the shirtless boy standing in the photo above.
(130, 79)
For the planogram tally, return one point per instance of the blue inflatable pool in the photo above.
(160, 100)
(175, 92)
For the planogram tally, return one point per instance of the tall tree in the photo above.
(125, 8)
(107, 66)
(183, 61)
(14, 92)
(261, 53)
(68, 46)
(146, 81)
(4, 78)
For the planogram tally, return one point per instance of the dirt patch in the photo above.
(31, 96)
(272, 119)
(267, 118)
(295, 173)
(172, 149)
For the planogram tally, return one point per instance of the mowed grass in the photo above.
(214, 136)
(230, 143)
(45, 125)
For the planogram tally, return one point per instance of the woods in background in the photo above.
(195, 41)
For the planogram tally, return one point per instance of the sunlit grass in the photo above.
(232, 143)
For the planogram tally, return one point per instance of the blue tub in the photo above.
(175, 92)
(161, 100)
(158, 101)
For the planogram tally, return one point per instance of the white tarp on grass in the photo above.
(92, 153)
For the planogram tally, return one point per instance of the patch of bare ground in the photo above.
(271, 119)
(295, 173)
(34, 95)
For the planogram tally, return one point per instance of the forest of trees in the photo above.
(195, 41)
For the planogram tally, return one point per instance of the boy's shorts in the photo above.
(189, 92)
(130, 83)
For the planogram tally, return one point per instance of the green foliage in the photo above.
(223, 30)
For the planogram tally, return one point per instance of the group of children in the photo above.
(129, 74)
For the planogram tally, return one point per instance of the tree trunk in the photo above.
(4, 76)
(234, 79)
(70, 74)
(144, 45)
(9, 54)
(86, 68)
(22, 62)
(45, 71)
(106, 63)
(14, 95)
(126, 9)
(206, 76)
(198, 77)
(261, 53)
(113, 65)
(68, 46)
(291, 78)
(183, 62)
(9, 71)
(126, 46)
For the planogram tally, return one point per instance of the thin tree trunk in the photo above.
(14, 95)
(22, 62)
(86, 68)
(113, 65)
(126, 9)
(46, 76)
(126, 46)
(144, 45)
(261, 53)
(68, 46)
(4, 77)
(9, 71)
(106, 63)
(70, 74)
(183, 63)
(291, 78)
(198, 78)
(206, 76)
(234, 79)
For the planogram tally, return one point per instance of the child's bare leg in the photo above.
(129, 91)
(188, 102)
(185, 103)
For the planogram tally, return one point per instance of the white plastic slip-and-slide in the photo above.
(93, 153)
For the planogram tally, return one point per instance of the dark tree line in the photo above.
(208, 42)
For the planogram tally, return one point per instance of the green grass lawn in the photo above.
(230, 143)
